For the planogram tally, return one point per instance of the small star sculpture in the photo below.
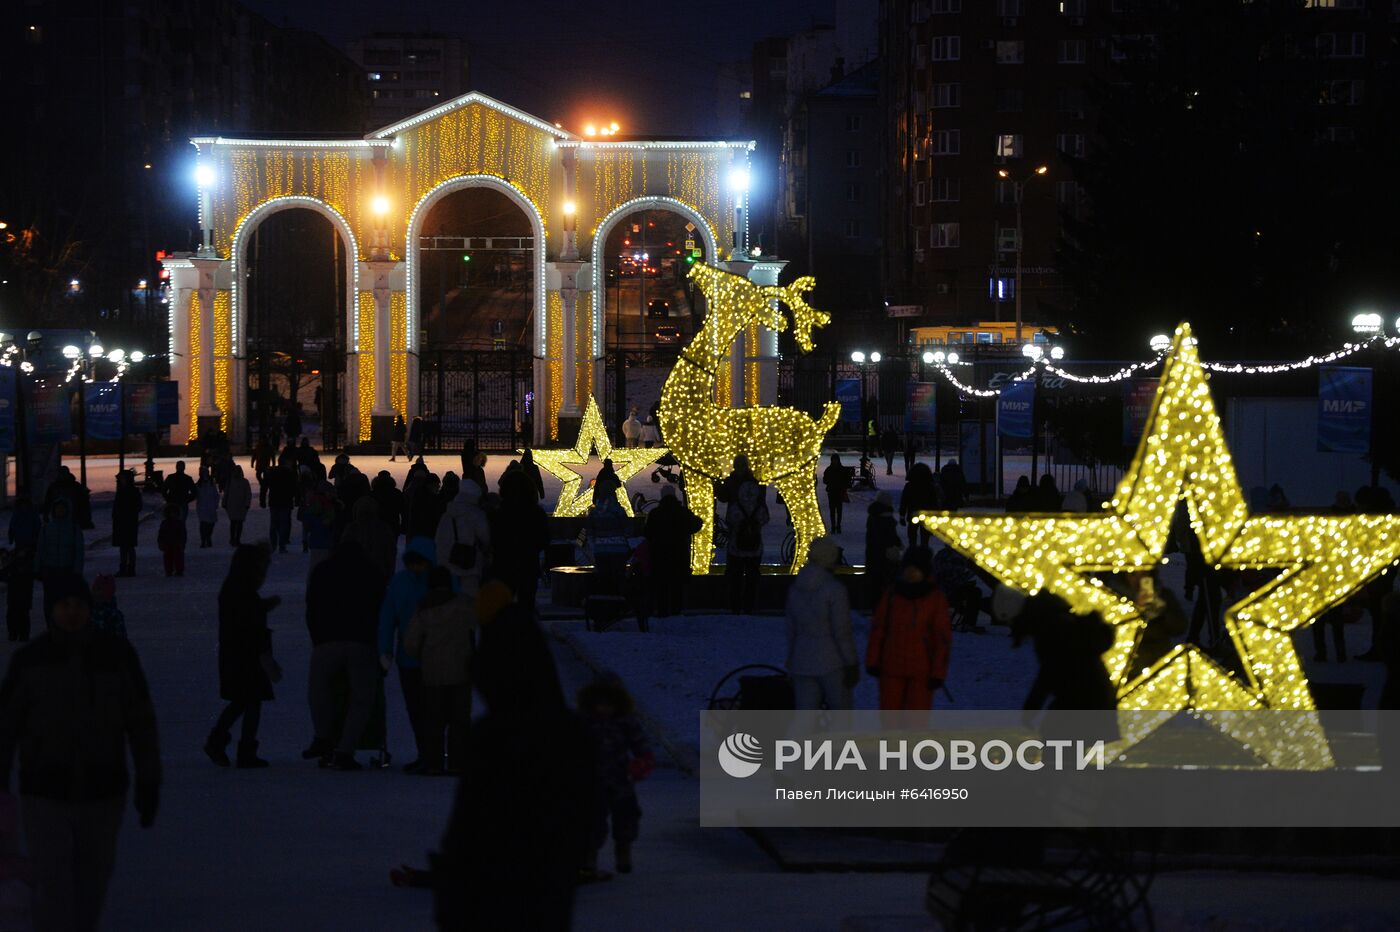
(1320, 560)
(593, 438)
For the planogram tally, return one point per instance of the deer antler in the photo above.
(804, 317)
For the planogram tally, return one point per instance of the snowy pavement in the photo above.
(294, 847)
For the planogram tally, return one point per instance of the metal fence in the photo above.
(475, 395)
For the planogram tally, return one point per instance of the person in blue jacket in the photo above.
(406, 590)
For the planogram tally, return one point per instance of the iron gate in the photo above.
(646, 371)
(475, 395)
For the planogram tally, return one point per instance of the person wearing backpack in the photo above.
(463, 536)
(746, 513)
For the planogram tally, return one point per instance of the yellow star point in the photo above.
(592, 438)
(1322, 561)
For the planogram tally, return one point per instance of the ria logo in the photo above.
(740, 755)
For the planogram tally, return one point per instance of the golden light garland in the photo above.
(195, 362)
(583, 338)
(554, 311)
(1322, 562)
(364, 369)
(398, 348)
(782, 444)
(223, 355)
(694, 179)
(592, 437)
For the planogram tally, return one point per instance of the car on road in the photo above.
(658, 308)
(668, 334)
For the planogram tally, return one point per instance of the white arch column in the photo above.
(385, 279)
(762, 272)
(211, 284)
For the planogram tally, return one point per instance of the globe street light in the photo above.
(71, 352)
(1160, 343)
(857, 357)
(1367, 324)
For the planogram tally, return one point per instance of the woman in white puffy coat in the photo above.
(822, 660)
(464, 522)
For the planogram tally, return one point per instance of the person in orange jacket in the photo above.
(910, 636)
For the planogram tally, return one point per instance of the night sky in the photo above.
(650, 66)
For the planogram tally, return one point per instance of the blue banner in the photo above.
(103, 417)
(48, 413)
(920, 409)
(1343, 409)
(140, 401)
(7, 409)
(848, 396)
(167, 404)
(1016, 410)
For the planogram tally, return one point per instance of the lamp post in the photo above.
(1020, 184)
(860, 358)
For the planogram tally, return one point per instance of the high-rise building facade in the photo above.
(103, 99)
(409, 72)
(978, 94)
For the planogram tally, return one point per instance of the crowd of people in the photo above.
(434, 584)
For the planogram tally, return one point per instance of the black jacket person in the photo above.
(72, 703)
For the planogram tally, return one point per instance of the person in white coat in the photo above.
(238, 498)
(822, 660)
(632, 430)
(651, 434)
(464, 538)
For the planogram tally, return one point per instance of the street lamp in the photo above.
(1160, 343)
(861, 358)
(1367, 324)
(71, 352)
(739, 179)
(1057, 352)
(1020, 191)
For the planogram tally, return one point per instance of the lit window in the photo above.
(1071, 7)
(746, 95)
(376, 76)
(1009, 146)
(1001, 288)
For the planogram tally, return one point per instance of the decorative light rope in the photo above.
(1127, 372)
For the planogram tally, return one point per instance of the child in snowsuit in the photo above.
(624, 757)
(106, 617)
(171, 540)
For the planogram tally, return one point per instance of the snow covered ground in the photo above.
(294, 847)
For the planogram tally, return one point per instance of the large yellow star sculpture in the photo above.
(593, 437)
(1321, 562)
